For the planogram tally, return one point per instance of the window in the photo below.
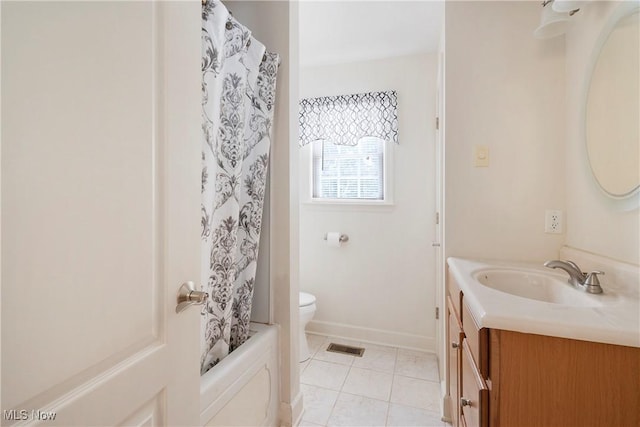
(350, 139)
(349, 172)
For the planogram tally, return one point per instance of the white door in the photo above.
(439, 203)
(100, 212)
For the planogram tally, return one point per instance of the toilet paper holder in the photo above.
(343, 238)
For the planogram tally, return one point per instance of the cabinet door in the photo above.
(453, 351)
(478, 340)
(474, 394)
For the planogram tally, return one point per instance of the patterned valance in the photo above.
(345, 119)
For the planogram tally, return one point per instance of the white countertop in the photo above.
(615, 321)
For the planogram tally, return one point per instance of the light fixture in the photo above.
(571, 6)
(552, 23)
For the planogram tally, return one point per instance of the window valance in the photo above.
(345, 119)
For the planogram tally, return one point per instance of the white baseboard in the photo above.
(284, 415)
(446, 409)
(297, 408)
(374, 336)
(291, 414)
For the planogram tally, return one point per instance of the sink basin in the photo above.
(536, 286)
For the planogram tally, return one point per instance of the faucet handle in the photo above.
(592, 283)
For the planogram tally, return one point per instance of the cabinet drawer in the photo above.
(452, 310)
(455, 293)
(474, 398)
(454, 330)
(477, 339)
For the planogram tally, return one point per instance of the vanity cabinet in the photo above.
(474, 394)
(454, 328)
(468, 391)
(501, 378)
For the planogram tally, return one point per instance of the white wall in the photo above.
(594, 223)
(380, 285)
(505, 90)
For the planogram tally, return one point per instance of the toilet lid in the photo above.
(306, 299)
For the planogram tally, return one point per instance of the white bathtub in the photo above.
(242, 390)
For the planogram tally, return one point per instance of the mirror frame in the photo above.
(631, 199)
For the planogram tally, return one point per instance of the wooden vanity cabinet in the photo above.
(543, 381)
(468, 392)
(509, 379)
(474, 396)
(454, 332)
(477, 340)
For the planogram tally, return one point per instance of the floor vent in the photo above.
(346, 349)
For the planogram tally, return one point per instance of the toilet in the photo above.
(307, 310)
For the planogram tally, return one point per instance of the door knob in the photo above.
(465, 402)
(188, 296)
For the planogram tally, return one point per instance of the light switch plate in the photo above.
(481, 156)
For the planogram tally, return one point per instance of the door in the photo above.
(100, 212)
(439, 241)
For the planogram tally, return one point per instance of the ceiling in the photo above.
(341, 31)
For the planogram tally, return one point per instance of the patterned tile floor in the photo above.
(387, 386)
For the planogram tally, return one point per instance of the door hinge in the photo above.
(437, 218)
(437, 123)
(437, 313)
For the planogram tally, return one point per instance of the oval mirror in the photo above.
(612, 119)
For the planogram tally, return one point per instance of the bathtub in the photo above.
(242, 390)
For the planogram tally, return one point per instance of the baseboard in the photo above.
(297, 407)
(284, 415)
(291, 414)
(446, 408)
(373, 336)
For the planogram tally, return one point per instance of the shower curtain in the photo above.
(238, 91)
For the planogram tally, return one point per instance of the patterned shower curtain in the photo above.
(238, 91)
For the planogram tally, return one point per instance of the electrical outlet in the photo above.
(553, 221)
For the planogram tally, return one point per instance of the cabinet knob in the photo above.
(455, 345)
(465, 402)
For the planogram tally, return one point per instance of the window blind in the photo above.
(349, 172)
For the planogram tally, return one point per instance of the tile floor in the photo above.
(387, 386)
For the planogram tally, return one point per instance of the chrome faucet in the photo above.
(587, 282)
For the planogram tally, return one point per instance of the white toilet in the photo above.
(307, 310)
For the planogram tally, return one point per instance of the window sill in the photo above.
(349, 205)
